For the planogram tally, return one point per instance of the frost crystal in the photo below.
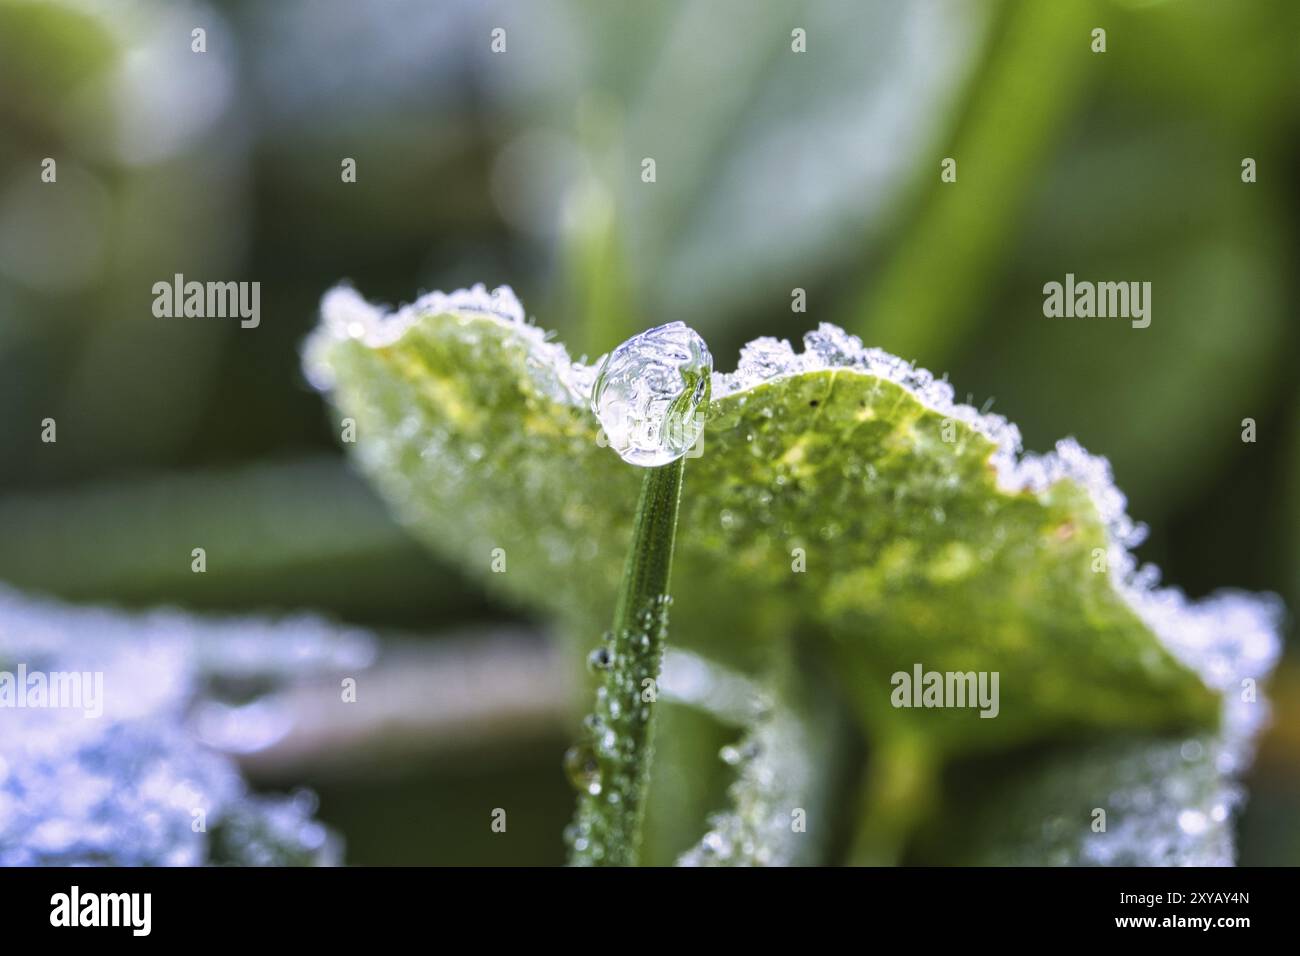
(346, 315)
(780, 764)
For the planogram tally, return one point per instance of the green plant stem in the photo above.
(896, 795)
(611, 806)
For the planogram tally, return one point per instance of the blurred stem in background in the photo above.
(597, 287)
(596, 282)
(896, 794)
(929, 296)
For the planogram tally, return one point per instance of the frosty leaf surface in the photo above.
(923, 535)
(1133, 800)
(841, 498)
(124, 777)
(784, 765)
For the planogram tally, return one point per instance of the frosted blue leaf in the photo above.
(124, 771)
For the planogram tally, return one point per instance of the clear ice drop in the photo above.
(652, 393)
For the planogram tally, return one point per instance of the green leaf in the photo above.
(1161, 802)
(841, 498)
(1131, 800)
(299, 533)
(786, 766)
(922, 302)
(694, 247)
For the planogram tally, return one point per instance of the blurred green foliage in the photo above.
(775, 171)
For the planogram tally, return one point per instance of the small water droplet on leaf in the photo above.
(601, 659)
(583, 769)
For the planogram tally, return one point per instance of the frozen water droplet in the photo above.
(601, 659)
(652, 392)
(832, 345)
(583, 769)
(764, 359)
(713, 842)
(730, 755)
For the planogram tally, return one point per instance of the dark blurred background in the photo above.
(775, 170)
